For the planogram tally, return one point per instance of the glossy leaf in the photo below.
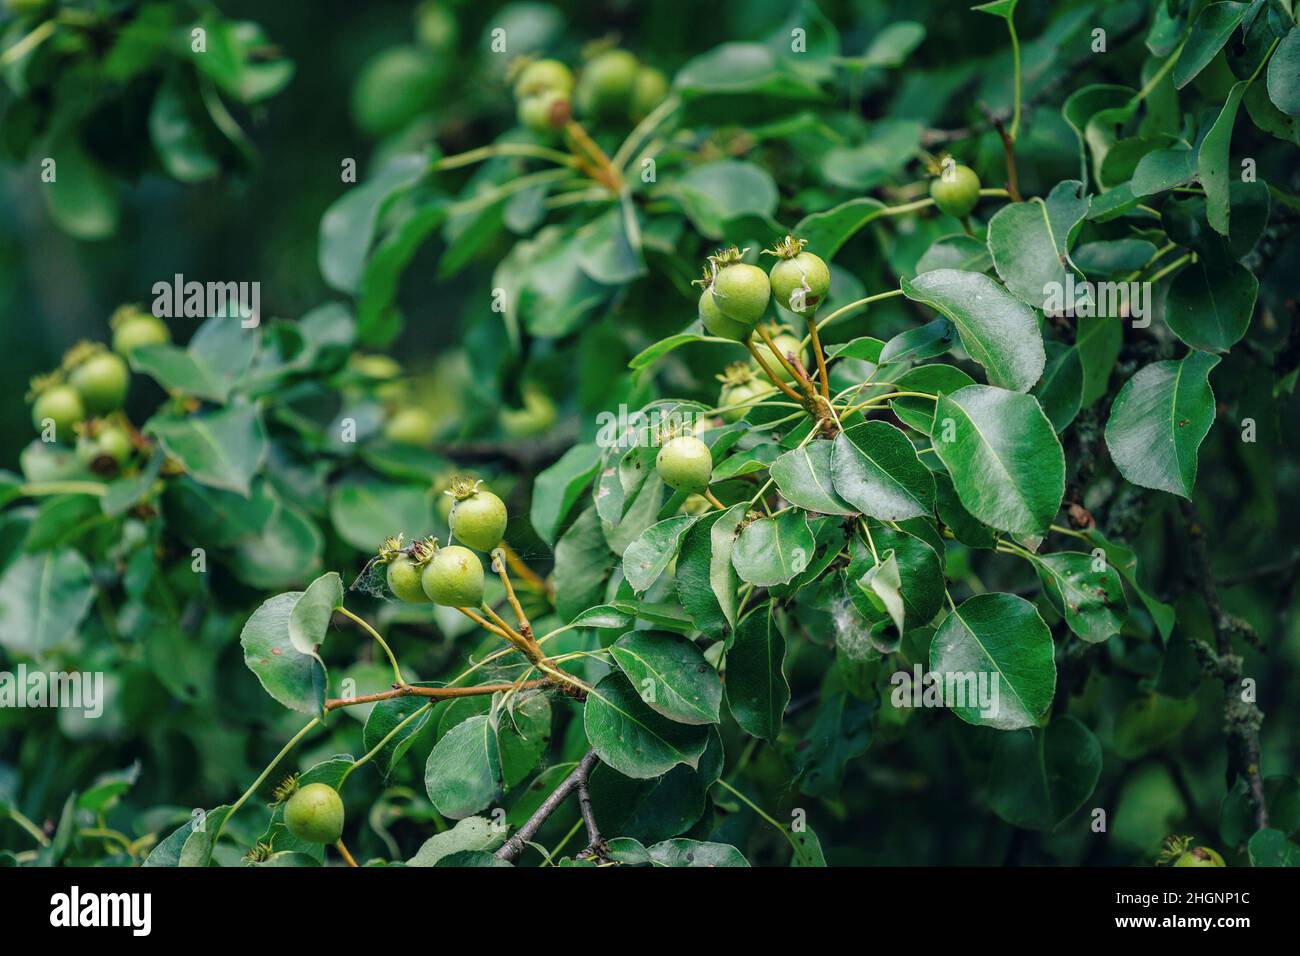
(632, 738)
(463, 773)
(998, 330)
(1001, 640)
(803, 476)
(756, 688)
(1091, 598)
(1040, 777)
(772, 551)
(1158, 421)
(1006, 463)
(670, 674)
(876, 469)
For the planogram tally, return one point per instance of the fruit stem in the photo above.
(38, 489)
(397, 671)
(284, 751)
(501, 149)
(530, 577)
(771, 344)
(433, 693)
(343, 852)
(605, 173)
(713, 499)
(767, 370)
(508, 634)
(499, 565)
(821, 357)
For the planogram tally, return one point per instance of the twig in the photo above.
(436, 693)
(595, 842)
(511, 849)
(1008, 147)
(499, 565)
(1242, 719)
(531, 577)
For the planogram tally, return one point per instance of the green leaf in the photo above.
(918, 413)
(605, 251)
(1272, 848)
(1214, 165)
(1006, 9)
(558, 489)
(1090, 598)
(658, 808)
(383, 719)
(714, 193)
(772, 551)
(1284, 74)
(349, 225)
(706, 580)
(670, 674)
(1028, 242)
(222, 448)
(889, 145)
(682, 852)
(1150, 722)
(583, 561)
(1210, 33)
(1113, 257)
(1006, 463)
(827, 231)
(179, 133)
(1040, 777)
(756, 688)
(1158, 421)
(883, 582)
(43, 599)
(1164, 169)
(650, 554)
(82, 197)
(214, 362)
(365, 510)
(463, 772)
(1000, 639)
(998, 330)
(959, 251)
(471, 833)
(840, 732)
(1098, 341)
(1210, 308)
(803, 476)
(920, 571)
(1060, 390)
(652, 353)
(310, 618)
(295, 679)
(876, 469)
(633, 739)
(1124, 560)
(604, 616)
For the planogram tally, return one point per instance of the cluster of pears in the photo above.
(450, 576)
(736, 293)
(612, 84)
(84, 396)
